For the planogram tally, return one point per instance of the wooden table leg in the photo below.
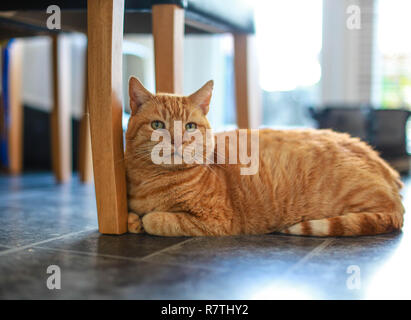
(247, 89)
(85, 164)
(15, 133)
(105, 37)
(61, 114)
(168, 33)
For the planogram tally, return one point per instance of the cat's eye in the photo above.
(191, 126)
(157, 124)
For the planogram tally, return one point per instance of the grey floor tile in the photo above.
(350, 268)
(262, 254)
(62, 221)
(2, 248)
(22, 226)
(28, 181)
(127, 245)
(29, 216)
(87, 277)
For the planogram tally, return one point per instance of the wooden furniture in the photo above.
(11, 72)
(85, 166)
(60, 118)
(167, 20)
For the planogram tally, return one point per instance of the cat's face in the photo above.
(178, 122)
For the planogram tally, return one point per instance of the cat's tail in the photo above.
(351, 224)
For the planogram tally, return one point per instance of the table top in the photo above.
(27, 18)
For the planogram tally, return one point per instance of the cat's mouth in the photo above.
(173, 159)
(176, 157)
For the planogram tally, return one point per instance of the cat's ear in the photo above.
(202, 97)
(138, 94)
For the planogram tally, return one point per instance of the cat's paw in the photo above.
(160, 223)
(134, 223)
(150, 222)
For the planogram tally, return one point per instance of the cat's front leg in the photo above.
(175, 224)
(134, 223)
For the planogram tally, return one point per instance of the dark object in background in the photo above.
(384, 129)
(388, 131)
(37, 140)
(353, 120)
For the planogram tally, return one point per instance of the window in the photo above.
(394, 53)
(289, 35)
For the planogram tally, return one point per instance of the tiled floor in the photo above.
(42, 224)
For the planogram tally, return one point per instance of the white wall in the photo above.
(347, 54)
(37, 86)
(203, 60)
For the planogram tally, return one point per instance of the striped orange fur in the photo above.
(309, 182)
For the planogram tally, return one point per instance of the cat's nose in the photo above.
(177, 148)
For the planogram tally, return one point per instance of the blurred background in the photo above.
(340, 64)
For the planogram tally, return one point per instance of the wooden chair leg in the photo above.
(85, 165)
(247, 90)
(61, 115)
(168, 33)
(105, 38)
(15, 133)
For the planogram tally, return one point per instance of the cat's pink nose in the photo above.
(177, 148)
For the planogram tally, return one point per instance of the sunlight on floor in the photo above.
(280, 291)
(389, 281)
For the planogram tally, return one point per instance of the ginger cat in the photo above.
(309, 182)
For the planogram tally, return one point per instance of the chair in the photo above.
(11, 111)
(60, 123)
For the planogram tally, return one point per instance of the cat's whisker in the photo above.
(140, 155)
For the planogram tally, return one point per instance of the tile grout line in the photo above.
(167, 248)
(17, 249)
(309, 255)
(85, 253)
(136, 259)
